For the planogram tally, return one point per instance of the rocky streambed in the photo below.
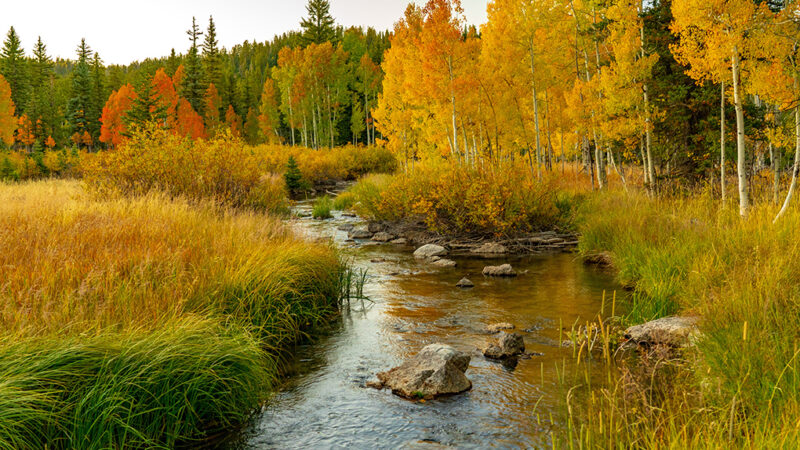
(502, 333)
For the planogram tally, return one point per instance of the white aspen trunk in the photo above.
(536, 114)
(648, 138)
(722, 142)
(796, 168)
(291, 115)
(453, 104)
(740, 149)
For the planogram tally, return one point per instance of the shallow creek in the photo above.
(324, 404)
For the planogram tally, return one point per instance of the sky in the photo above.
(128, 31)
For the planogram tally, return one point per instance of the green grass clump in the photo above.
(322, 208)
(130, 389)
(145, 322)
(344, 201)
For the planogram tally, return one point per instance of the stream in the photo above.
(324, 403)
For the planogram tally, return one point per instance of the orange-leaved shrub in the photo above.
(453, 198)
(223, 169)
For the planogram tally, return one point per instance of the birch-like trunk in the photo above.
(740, 149)
(722, 142)
(536, 114)
(796, 168)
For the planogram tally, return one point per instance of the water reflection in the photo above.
(326, 406)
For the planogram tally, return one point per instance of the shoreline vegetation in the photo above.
(146, 321)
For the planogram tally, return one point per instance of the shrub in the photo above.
(322, 208)
(222, 169)
(456, 199)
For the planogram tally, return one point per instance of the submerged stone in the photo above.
(444, 263)
(499, 271)
(498, 327)
(465, 283)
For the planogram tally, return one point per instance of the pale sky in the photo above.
(134, 30)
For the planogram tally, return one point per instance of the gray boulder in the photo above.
(400, 241)
(438, 369)
(444, 263)
(507, 345)
(491, 248)
(499, 271)
(345, 227)
(359, 233)
(668, 331)
(465, 283)
(375, 227)
(429, 251)
(382, 236)
(498, 327)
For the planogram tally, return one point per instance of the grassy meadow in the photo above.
(145, 321)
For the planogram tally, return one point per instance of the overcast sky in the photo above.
(134, 30)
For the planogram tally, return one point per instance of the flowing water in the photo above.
(324, 404)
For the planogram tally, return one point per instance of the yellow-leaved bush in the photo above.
(454, 199)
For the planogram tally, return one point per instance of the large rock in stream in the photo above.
(438, 369)
(429, 251)
(507, 345)
(672, 331)
(499, 271)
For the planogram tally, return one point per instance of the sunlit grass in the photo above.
(145, 321)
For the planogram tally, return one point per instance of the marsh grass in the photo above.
(145, 322)
(740, 385)
(322, 208)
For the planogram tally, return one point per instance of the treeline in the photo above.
(62, 103)
(645, 83)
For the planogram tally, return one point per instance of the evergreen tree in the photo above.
(80, 105)
(147, 107)
(98, 96)
(293, 176)
(192, 87)
(319, 26)
(172, 63)
(40, 106)
(41, 65)
(212, 59)
(13, 67)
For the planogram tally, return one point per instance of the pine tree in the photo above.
(40, 104)
(192, 85)
(147, 106)
(80, 106)
(41, 65)
(319, 26)
(211, 56)
(172, 63)
(293, 176)
(98, 96)
(13, 67)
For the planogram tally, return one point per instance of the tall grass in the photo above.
(144, 322)
(740, 386)
(322, 207)
(462, 200)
